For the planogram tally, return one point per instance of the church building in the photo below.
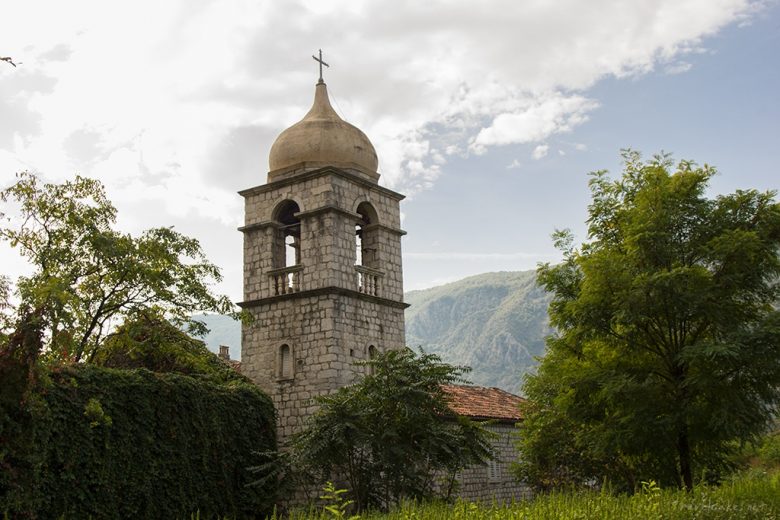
(324, 284)
(322, 264)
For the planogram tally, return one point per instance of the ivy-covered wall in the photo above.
(107, 443)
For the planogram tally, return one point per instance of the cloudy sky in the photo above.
(488, 115)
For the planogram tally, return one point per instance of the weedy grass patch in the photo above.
(751, 496)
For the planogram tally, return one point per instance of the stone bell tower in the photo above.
(322, 264)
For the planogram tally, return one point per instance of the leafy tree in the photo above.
(151, 342)
(666, 354)
(392, 433)
(88, 277)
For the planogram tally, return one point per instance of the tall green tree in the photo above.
(667, 351)
(88, 277)
(392, 434)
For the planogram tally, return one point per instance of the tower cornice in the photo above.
(317, 211)
(323, 291)
(305, 175)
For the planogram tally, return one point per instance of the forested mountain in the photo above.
(493, 322)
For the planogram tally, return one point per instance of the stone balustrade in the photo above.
(368, 280)
(285, 280)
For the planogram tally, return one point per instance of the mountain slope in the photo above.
(494, 322)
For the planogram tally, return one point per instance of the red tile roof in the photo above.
(479, 402)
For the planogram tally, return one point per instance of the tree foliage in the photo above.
(666, 354)
(390, 435)
(5, 307)
(88, 277)
(151, 342)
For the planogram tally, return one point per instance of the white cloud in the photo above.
(514, 164)
(677, 67)
(537, 120)
(540, 151)
(450, 73)
(152, 96)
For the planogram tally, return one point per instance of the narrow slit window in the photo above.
(493, 470)
(371, 356)
(285, 362)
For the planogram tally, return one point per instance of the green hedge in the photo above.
(109, 443)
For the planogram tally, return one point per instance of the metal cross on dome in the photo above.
(321, 64)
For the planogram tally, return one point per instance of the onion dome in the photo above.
(320, 139)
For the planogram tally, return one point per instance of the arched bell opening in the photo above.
(366, 239)
(367, 250)
(286, 273)
(287, 243)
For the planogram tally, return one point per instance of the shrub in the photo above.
(113, 443)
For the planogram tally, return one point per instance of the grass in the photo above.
(751, 495)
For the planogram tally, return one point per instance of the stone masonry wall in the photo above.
(326, 335)
(494, 481)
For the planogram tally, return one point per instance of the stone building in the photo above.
(323, 282)
(492, 481)
(322, 264)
